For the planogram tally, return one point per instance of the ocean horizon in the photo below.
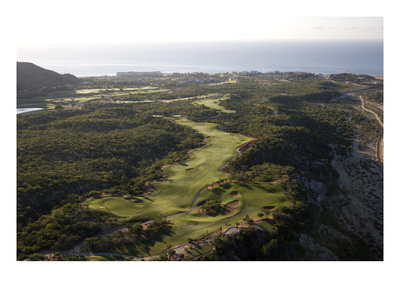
(313, 56)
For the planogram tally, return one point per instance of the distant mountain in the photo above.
(33, 80)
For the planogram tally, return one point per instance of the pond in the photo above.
(25, 110)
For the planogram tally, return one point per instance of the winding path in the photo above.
(372, 112)
(362, 105)
(380, 123)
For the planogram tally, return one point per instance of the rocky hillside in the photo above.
(33, 80)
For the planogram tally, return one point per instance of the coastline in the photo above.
(81, 73)
(318, 57)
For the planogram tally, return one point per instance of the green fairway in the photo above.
(182, 181)
(225, 82)
(84, 95)
(200, 250)
(206, 96)
(103, 258)
(253, 198)
(180, 186)
(148, 89)
(214, 103)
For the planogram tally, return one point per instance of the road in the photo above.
(362, 105)
(179, 250)
(372, 112)
(380, 122)
(359, 90)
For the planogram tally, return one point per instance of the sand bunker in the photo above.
(229, 208)
(269, 207)
(235, 194)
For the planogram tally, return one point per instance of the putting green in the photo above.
(182, 182)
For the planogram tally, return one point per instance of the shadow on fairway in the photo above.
(147, 198)
(246, 185)
(218, 191)
(268, 190)
(269, 207)
(226, 186)
(139, 248)
(147, 245)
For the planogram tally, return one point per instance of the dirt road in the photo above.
(379, 147)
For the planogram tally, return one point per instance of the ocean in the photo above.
(314, 56)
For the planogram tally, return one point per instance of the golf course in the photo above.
(233, 166)
(182, 182)
(84, 95)
(195, 195)
(215, 103)
(189, 184)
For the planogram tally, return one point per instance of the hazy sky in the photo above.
(118, 21)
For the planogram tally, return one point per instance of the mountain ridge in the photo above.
(33, 80)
